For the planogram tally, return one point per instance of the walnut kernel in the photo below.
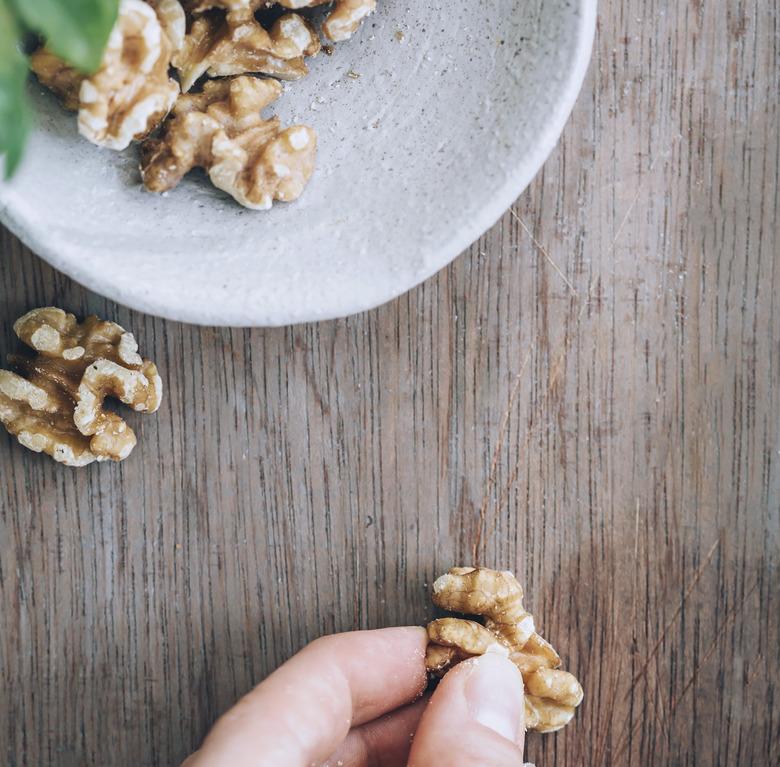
(222, 130)
(131, 92)
(236, 43)
(52, 401)
(551, 694)
(343, 21)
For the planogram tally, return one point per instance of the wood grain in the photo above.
(590, 396)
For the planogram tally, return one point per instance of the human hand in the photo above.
(354, 700)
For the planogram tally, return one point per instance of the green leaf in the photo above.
(76, 30)
(15, 115)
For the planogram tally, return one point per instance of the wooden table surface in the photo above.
(590, 395)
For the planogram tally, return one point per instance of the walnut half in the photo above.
(234, 42)
(343, 21)
(52, 401)
(552, 695)
(130, 93)
(222, 130)
(173, 20)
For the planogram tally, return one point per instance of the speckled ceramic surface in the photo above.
(456, 106)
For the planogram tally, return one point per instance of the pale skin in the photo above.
(357, 700)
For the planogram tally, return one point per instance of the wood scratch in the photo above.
(624, 741)
(543, 251)
(631, 207)
(697, 575)
(494, 463)
(556, 370)
(600, 749)
(713, 646)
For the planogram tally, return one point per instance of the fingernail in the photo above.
(494, 694)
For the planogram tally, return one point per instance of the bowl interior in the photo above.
(430, 122)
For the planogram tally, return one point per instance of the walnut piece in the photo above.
(551, 695)
(173, 20)
(53, 401)
(131, 92)
(236, 43)
(197, 7)
(58, 77)
(343, 21)
(222, 130)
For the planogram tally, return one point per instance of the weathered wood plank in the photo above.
(590, 395)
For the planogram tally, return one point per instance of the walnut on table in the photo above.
(551, 694)
(343, 21)
(234, 42)
(222, 130)
(53, 400)
(131, 92)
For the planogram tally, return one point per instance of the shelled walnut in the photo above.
(219, 128)
(551, 695)
(343, 21)
(130, 93)
(236, 43)
(232, 6)
(222, 130)
(52, 401)
(58, 77)
(173, 20)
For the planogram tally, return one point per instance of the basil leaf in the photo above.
(15, 115)
(76, 30)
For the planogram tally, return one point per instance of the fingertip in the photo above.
(495, 696)
(413, 636)
(302, 711)
(476, 713)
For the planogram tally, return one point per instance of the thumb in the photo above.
(475, 717)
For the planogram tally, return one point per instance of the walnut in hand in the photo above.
(551, 695)
(53, 400)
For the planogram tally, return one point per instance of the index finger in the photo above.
(301, 713)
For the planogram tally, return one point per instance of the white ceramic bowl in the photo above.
(456, 107)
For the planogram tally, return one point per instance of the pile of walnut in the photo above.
(52, 400)
(551, 695)
(161, 49)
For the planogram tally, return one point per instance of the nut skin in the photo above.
(52, 398)
(551, 695)
(222, 130)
